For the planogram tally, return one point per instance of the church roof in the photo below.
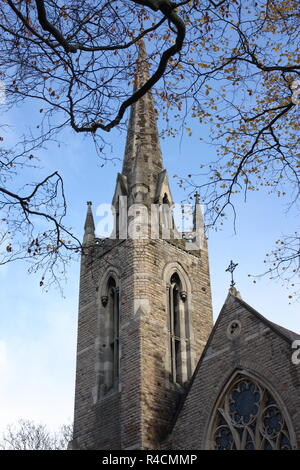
(289, 334)
(233, 295)
(280, 330)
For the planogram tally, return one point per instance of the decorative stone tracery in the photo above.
(249, 418)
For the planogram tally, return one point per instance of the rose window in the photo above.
(249, 418)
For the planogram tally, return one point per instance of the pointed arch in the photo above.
(249, 415)
(175, 267)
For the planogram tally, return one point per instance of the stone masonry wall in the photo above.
(258, 350)
(138, 414)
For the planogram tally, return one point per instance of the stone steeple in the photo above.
(142, 175)
(144, 304)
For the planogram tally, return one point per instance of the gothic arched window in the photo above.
(111, 372)
(249, 418)
(180, 356)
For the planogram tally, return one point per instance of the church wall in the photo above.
(258, 350)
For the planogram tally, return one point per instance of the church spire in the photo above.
(142, 159)
(89, 226)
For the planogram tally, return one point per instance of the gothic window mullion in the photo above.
(235, 436)
(110, 336)
(244, 438)
(172, 333)
(178, 318)
(258, 440)
(177, 333)
(116, 334)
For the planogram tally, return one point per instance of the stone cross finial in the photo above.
(230, 269)
(197, 197)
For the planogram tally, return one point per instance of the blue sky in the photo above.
(38, 329)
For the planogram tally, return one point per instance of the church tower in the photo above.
(145, 303)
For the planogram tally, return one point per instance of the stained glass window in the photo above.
(248, 417)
